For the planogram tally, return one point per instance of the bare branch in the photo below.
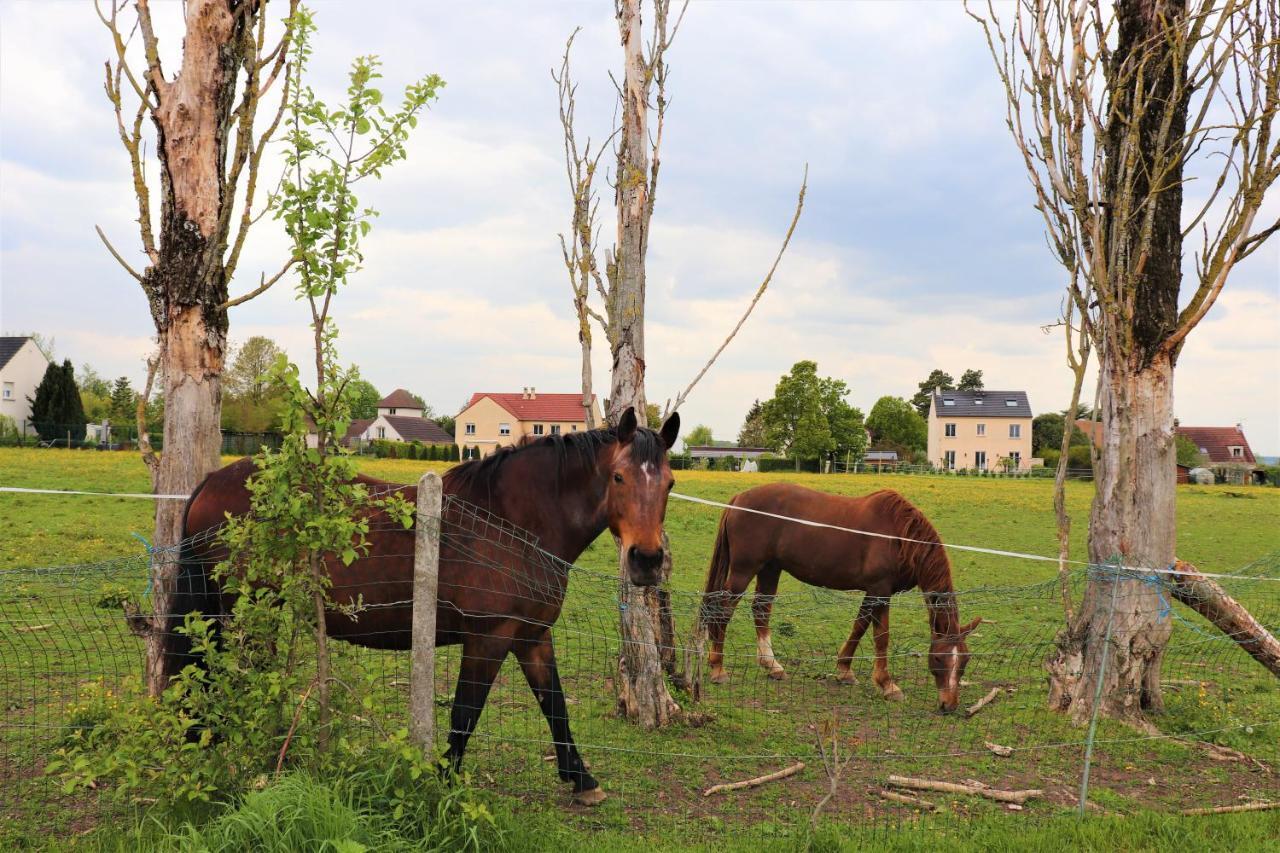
(764, 285)
(112, 249)
(264, 285)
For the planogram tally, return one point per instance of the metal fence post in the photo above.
(426, 585)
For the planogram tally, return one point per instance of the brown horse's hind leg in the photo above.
(880, 674)
(844, 661)
(718, 613)
(761, 607)
(538, 660)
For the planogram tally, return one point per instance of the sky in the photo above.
(918, 246)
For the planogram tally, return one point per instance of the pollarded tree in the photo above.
(1112, 108)
(209, 153)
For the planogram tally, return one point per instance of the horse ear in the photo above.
(627, 426)
(968, 629)
(671, 429)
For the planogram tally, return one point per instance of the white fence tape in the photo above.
(94, 494)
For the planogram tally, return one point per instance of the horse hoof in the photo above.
(893, 694)
(721, 677)
(778, 674)
(846, 677)
(591, 797)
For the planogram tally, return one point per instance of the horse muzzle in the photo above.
(644, 567)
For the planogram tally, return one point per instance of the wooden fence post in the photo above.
(426, 585)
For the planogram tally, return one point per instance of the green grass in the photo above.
(754, 725)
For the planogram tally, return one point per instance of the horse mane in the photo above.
(476, 479)
(926, 558)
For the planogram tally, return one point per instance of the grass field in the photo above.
(754, 725)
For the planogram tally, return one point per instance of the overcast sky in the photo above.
(918, 248)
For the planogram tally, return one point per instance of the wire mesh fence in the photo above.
(66, 645)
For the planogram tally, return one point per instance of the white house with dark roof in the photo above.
(399, 419)
(982, 430)
(22, 366)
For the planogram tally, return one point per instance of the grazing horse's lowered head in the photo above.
(948, 657)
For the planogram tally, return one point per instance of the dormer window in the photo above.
(1237, 452)
(391, 411)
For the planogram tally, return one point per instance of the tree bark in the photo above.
(186, 286)
(1132, 521)
(1113, 648)
(642, 688)
(1211, 601)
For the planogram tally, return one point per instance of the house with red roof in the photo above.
(493, 419)
(1221, 445)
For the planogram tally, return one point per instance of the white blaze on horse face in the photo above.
(647, 470)
(953, 670)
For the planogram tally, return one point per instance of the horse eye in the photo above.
(617, 478)
(671, 485)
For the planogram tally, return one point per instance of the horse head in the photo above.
(948, 657)
(639, 480)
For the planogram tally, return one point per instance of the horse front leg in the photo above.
(761, 608)
(880, 673)
(538, 661)
(844, 660)
(482, 657)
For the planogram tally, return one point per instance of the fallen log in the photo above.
(759, 780)
(1210, 600)
(909, 800)
(1243, 807)
(1018, 797)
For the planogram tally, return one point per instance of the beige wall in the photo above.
(19, 378)
(488, 417)
(967, 444)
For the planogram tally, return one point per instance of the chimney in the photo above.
(1240, 428)
(524, 393)
(533, 393)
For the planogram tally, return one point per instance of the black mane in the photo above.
(476, 478)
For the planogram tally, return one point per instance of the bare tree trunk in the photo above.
(642, 695)
(1133, 521)
(187, 285)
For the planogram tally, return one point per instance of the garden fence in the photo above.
(65, 645)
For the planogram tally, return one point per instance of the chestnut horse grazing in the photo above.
(750, 545)
(564, 489)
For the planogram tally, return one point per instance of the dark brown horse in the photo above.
(750, 545)
(499, 595)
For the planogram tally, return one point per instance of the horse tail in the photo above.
(717, 572)
(194, 591)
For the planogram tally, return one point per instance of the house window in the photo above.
(470, 429)
(1013, 404)
(391, 411)
(949, 460)
(980, 460)
(504, 429)
(950, 430)
(555, 429)
(8, 390)
(1015, 430)
(947, 402)
(537, 429)
(573, 427)
(1237, 452)
(1015, 458)
(978, 402)
(982, 429)
(382, 432)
